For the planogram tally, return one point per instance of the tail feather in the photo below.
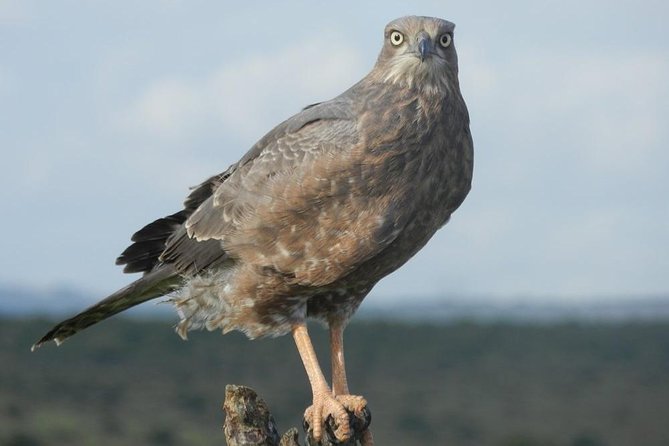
(153, 284)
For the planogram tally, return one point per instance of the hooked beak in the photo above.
(424, 47)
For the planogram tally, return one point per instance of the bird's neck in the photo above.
(424, 80)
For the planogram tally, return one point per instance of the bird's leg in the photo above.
(339, 382)
(324, 403)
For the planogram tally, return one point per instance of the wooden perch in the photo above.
(248, 422)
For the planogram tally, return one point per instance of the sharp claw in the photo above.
(318, 413)
(341, 408)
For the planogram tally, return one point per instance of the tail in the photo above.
(153, 284)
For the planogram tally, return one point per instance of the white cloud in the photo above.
(168, 108)
(601, 114)
(246, 97)
(14, 11)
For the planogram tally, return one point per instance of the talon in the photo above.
(346, 411)
(324, 407)
(353, 403)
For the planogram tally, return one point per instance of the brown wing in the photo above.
(165, 241)
(311, 206)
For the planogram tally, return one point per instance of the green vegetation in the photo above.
(135, 382)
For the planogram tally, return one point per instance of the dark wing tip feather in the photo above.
(144, 254)
(141, 256)
(311, 105)
(204, 190)
(157, 230)
(149, 243)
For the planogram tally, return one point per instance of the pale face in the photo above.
(419, 51)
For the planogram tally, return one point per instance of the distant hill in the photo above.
(22, 300)
(651, 308)
(134, 382)
(59, 301)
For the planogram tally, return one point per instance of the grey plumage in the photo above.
(320, 209)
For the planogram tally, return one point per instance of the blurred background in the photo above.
(541, 310)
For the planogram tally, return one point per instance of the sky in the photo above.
(109, 111)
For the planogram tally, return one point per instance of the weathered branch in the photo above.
(248, 422)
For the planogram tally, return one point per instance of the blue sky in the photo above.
(109, 111)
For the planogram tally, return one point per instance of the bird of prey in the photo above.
(316, 213)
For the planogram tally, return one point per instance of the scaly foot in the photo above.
(358, 405)
(338, 407)
(325, 405)
(353, 403)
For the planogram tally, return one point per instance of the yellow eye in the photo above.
(396, 38)
(445, 40)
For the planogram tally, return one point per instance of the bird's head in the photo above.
(418, 52)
